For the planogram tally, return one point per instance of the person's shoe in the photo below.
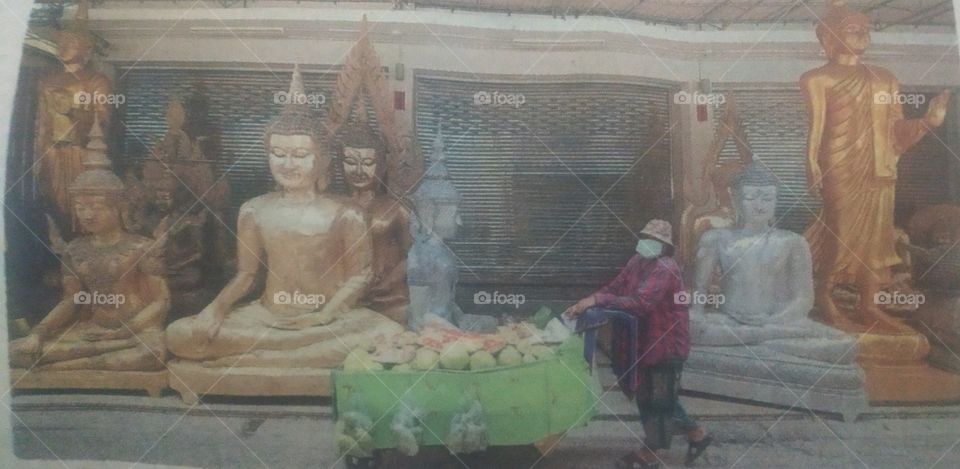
(696, 449)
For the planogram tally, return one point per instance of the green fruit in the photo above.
(455, 357)
(482, 360)
(542, 351)
(529, 358)
(542, 317)
(509, 356)
(402, 368)
(425, 359)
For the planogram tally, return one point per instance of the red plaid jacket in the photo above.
(646, 288)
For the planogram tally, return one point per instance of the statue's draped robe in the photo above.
(327, 261)
(63, 124)
(110, 270)
(853, 235)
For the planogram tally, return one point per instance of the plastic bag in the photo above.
(407, 429)
(352, 431)
(468, 431)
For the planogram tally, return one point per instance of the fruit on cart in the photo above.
(481, 360)
(425, 359)
(402, 368)
(541, 351)
(456, 356)
(529, 358)
(509, 356)
(360, 360)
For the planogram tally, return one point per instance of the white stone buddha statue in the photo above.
(765, 278)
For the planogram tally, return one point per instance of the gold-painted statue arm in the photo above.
(249, 253)
(357, 256)
(708, 257)
(814, 93)
(154, 314)
(64, 312)
(907, 132)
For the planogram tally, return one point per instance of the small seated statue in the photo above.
(365, 170)
(317, 255)
(766, 293)
(115, 299)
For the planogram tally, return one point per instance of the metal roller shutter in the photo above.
(530, 174)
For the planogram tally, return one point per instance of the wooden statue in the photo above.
(69, 102)
(364, 158)
(115, 299)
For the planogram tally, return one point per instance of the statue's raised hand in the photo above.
(937, 111)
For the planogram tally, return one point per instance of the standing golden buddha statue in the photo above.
(857, 135)
(69, 101)
(364, 159)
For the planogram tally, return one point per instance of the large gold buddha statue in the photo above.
(115, 299)
(317, 255)
(857, 135)
(69, 101)
(364, 169)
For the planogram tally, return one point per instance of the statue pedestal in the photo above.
(897, 373)
(193, 380)
(938, 318)
(153, 382)
(763, 375)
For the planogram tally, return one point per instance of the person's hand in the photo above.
(208, 323)
(937, 111)
(581, 306)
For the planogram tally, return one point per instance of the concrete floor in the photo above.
(297, 433)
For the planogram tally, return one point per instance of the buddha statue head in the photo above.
(754, 193)
(167, 191)
(364, 158)
(292, 143)
(75, 44)
(437, 201)
(97, 193)
(843, 31)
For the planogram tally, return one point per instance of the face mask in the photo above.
(649, 248)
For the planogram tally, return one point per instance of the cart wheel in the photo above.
(372, 462)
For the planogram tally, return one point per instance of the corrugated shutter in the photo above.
(776, 125)
(529, 174)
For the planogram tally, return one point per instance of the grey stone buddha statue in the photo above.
(431, 266)
(758, 328)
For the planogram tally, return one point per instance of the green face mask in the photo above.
(649, 248)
